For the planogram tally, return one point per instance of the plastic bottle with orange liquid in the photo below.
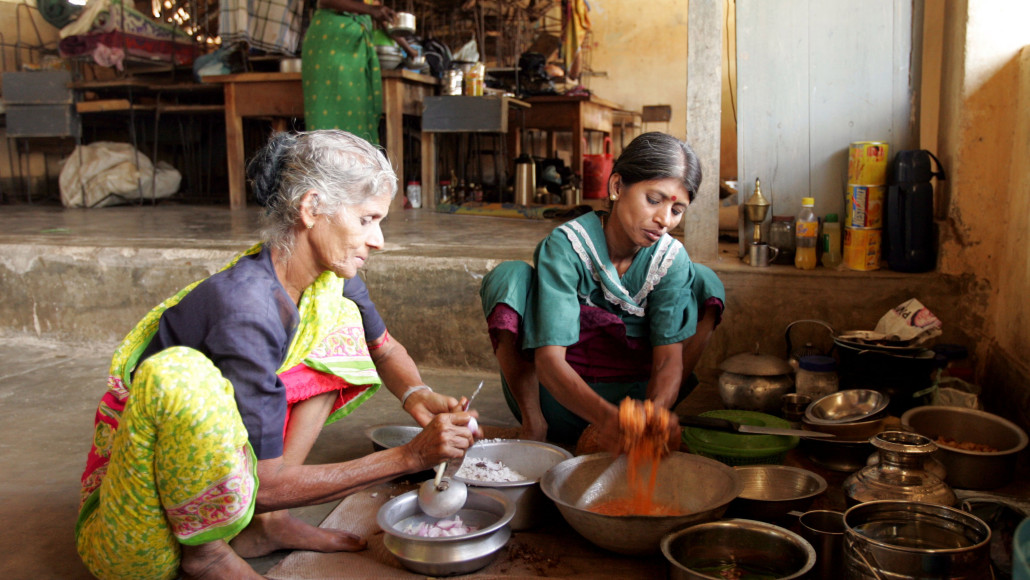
(806, 234)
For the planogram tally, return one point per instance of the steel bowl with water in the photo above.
(529, 458)
(901, 540)
(486, 509)
(709, 550)
(698, 487)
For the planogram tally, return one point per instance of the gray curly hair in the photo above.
(342, 168)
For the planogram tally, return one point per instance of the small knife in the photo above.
(468, 403)
(734, 427)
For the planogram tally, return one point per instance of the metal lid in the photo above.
(755, 364)
(818, 363)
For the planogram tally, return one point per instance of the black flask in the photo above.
(911, 244)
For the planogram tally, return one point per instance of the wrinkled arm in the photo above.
(399, 373)
(285, 486)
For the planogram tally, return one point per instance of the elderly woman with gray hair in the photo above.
(216, 397)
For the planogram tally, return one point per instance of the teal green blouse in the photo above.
(658, 297)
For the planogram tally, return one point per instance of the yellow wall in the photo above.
(644, 53)
(643, 57)
(985, 125)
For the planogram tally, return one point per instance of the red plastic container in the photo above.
(596, 169)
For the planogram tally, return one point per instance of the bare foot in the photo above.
(214, 560)
(279, 530)
(533, 430)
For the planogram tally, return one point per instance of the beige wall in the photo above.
(983, 142)
(643, 54)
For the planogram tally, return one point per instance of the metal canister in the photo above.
(862, 248)
(453, 80)
(867, 163)
(864, 207)
(907, 540)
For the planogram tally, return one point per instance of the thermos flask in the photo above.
(911, 241)
(525, 180)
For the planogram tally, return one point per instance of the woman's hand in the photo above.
(425, 404)
(382, 14)
(446, 437)
(601, 436)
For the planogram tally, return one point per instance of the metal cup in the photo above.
(793, 406)
(824, 529)
(761, 254)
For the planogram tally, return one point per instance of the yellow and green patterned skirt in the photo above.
(171, 463)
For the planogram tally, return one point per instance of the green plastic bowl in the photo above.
(739, 449)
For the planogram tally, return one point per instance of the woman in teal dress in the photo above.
(613, 308)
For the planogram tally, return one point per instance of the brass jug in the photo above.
(900, 474)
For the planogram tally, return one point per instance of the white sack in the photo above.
(105, 173)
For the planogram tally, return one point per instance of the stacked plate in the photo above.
(390, 57)
(853, 416)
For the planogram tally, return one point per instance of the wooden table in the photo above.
(560, 113)
(280, 96)
(463, 114)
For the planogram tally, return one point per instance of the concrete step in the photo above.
(90, 275)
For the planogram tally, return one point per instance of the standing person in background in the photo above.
(343, 85)
(614, 307)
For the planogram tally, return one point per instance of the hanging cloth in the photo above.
(575, 24)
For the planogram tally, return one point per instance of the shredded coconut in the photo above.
(490, 471)
(441, 529)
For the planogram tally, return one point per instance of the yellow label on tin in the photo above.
(867, 163)
(862, 248)
(864, 207)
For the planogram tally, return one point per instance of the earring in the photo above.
(613, 196)
(311, 226)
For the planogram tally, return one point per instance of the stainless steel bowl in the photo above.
(529, 458)
(837, 455)
(486, 509)
(855, 431)
(847, 406)
(771, 492)
(701, 552)
(699, 487)
(970, 469)
(390, 436)
(390, 62)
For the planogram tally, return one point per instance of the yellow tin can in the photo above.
(864, 206)
(867, 163)
(862, 248)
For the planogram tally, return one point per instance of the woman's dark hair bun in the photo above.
(265, 170)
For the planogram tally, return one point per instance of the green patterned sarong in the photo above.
(343, 87)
